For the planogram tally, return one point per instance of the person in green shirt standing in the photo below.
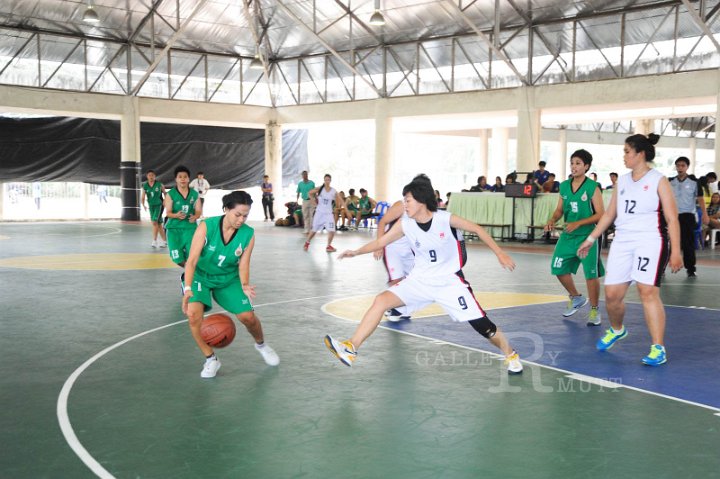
(308, 202)
(219, 267)
(183, 209)
(154, 190)
(581, 206)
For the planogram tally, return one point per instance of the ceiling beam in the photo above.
(167, 48)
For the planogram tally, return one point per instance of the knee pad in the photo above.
(484, 326)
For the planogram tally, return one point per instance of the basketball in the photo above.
(218, 330)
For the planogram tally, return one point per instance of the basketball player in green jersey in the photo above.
(219, 267)
(581, 206)
(183, 209)
(154, 190)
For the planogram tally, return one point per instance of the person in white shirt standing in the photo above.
(201, 185)
(324, 216)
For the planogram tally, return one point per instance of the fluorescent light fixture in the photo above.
(377, 17)
(256, 64)
(90, 15)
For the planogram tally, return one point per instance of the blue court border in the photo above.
(691, 372)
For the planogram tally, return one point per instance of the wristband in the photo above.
(186, 289)
(590, 239)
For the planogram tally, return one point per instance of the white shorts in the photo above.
(642, 260)
(398, 259)
(322, 220)
(453, 294)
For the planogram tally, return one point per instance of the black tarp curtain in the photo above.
(88, 150)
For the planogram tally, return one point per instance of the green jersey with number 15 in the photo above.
(217, 257)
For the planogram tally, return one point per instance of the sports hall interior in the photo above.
(100, 373)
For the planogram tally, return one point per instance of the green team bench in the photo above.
(491, 228)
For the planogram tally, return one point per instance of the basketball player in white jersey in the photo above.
(436, 277)
(324, 217)
(398, 256)
(644, 212)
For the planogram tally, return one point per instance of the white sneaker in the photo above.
(268, 354)
(513, 363)
(154, 244)
(162, 244)
(210, 368)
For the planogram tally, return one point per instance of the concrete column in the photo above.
(483, 156)
(692, 152)
(274, 160)
(528, 131)
(717, 143)
(84, 197)
(499, 164)
(383, 158)
(644, 127)
(130, 159)
(564, 160)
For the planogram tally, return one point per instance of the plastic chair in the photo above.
(380, 209)
(699, 236)
(713, 238)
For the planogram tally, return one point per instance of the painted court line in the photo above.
(564, 371)
(62, 403)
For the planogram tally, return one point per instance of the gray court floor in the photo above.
(100, 360)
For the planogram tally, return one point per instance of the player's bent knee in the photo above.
(247, 318)
(484, 326)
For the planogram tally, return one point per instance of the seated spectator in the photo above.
(339, 211)
(541, 174)
(366, 206)
(551, 185)
(481, 185)
(498, 186)
(594, 177)
(440, 202)
(712, 183)
(351, 205)
(447, 201)
(294, 215)
(613, 180)
(510, 179)
(713, 211)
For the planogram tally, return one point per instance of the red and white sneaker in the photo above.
(330, 249)
(306, 245)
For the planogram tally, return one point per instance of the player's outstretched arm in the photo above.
(244, 269)
(198, 242)
(667, 200)
(394, 234)
(605, 221)
(463, 224)
(557, 214)
(392, 214)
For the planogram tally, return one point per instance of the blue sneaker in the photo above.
(574, 304)
(610, 338)
(656, 357)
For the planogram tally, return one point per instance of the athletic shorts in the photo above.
(452, 293)
(228, 293)
(566, 261)
(642, 260)
(399, 259)
(155, 212)
(179, 241)
(322, 220)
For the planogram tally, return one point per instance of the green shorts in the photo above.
(227, 291)
(155, 212)
(179, 241)
(565, 259)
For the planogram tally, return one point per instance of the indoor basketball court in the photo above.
(103, 374)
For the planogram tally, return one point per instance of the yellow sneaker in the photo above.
(513, 363)
(343, 350)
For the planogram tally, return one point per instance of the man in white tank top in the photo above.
(436, 277)
(324, 217)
